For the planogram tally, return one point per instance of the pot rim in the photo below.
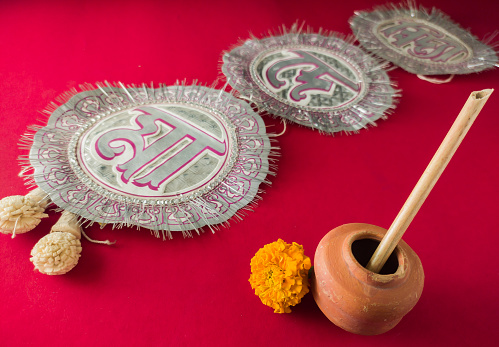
(359, 271)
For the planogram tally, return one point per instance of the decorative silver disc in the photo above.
(168, 159)
(319, 81)
(421, 42)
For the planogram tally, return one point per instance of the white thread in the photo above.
(436, 80)
(107, 242)
(15, 226)
(283, 121)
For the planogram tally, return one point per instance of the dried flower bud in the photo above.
(19, 214)
(56, 253)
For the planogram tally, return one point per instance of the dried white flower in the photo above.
(56, 253)
(19, 214)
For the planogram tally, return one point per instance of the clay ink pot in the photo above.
(354, 298)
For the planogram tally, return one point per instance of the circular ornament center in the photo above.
(421, 40)
(311, 78)
(160, 150)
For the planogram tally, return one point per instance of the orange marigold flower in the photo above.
(279, 275)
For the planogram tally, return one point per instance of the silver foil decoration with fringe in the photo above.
(420, 41)
(319, 80)
(173, 158)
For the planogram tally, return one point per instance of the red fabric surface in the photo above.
(144, 291)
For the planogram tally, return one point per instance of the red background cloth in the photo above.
(144, 291)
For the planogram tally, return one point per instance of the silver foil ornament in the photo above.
(172, 158)
(420, 41)
(319, 80)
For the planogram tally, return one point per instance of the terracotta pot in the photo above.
(354, 298)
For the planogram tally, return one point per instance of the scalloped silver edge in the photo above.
(131, 209)
(378, 102)
(484, 57)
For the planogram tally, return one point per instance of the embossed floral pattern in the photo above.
(321, 81)
(421, 41)
(69, 163)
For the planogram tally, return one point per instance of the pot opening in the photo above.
(363, 250)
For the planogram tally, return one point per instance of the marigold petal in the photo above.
(279, 275)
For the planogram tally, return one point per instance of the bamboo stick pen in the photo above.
(430, 176)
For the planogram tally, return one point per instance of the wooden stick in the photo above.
(68, 223)
(431, 175)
